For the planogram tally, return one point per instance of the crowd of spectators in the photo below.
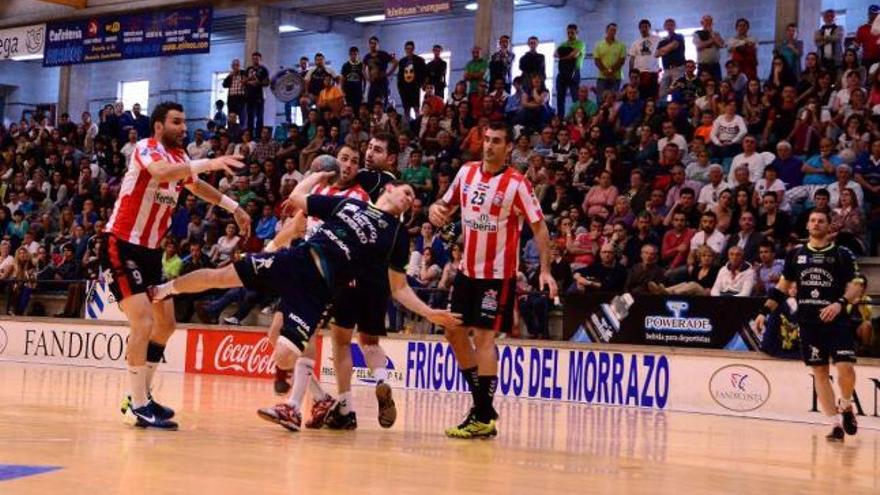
(664, 175)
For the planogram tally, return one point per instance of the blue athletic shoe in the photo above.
(147, 417)
(163, 412)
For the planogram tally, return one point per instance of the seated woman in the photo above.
(700, 279)
(24, 276)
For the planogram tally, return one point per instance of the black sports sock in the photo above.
(485, 410)
(155, 352)
(472, 379)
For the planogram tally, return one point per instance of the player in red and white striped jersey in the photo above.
(494, 200)
(157, 171)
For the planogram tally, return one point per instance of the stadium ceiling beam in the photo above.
(321, 24)
(77, 4)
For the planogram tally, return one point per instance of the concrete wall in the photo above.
(25, 85)
(189, 78)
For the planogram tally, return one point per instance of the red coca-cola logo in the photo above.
(244, 358)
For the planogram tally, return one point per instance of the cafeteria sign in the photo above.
(128, 36)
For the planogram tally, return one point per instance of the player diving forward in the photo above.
(157, 171)
(823, 273)
(354, 236)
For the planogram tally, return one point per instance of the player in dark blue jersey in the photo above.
(354, 237)
(823, 273)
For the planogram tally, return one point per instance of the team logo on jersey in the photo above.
(814, 293)
(490, 301)
(261, 263)
(498, 199)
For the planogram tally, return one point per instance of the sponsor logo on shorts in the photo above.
(261, 263)
(739, 388)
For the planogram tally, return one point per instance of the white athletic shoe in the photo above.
(231, 321)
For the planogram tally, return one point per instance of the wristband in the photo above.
(776, 296)
(270, 247)
(200, 166)
(843, 301)
(228, 204)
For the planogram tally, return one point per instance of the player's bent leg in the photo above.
(138, 310)
(282, 375)
(825, 398)
(377, 361)
(342, 415)
(846, 383)
(286, 414)
(198, 281)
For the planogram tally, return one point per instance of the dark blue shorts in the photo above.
(823, 341)
(292, 274)
(363, 306)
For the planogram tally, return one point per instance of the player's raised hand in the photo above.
(444, 318)
(439, 214)
(226, 163)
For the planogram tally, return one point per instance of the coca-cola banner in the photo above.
(233, 352)
(80, 343)
(677, 321)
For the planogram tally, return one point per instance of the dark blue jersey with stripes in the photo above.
(821, 276)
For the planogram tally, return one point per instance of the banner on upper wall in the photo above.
(22, 42)
(408, 8)
(680, 321)
(128, 36)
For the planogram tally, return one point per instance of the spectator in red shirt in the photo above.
(676, 242)
(869, 43)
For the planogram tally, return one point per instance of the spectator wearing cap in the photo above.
(868, 41)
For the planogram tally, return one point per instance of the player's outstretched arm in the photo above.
(300, 193)
(170, 172)
(440, 213)
(210, 194)
(403, 293)
(775, 297)
(295, 229)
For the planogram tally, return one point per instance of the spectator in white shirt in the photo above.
(710, 193)
(199, 148)
(769, 183)
(129, 146)
(670, 136)
(708, 235)
(736, 278)
(750, 157)
(728, 131)
(843, 172)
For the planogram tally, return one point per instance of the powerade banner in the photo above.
(118, 37)
(407, 8)
(680, 321)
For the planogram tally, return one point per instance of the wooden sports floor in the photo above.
(68, 418)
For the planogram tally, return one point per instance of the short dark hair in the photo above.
(374, 38)
(687, 190)
(533, 38)
(437, 47)
(767, 243)
(643, 22)
(610, 24)
(353, 49)
(822, 192)
(770, 194)
(390, 143)
(710, 214)
(821, 212)
(572, 26)
(161, 111)
(257, 54)
(501, 126)
(319, 54)
(409, 43)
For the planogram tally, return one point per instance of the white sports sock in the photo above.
(301, 375)
(318, 393)
(844, 404)
(137, 376)
(151, 371)
(376, 360)
(345, 403)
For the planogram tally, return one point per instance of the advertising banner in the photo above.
(22, 42)
(100, 303)
(408, 8)
(77, 344)
(233, 352)
(128, 36)
(680, 321)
